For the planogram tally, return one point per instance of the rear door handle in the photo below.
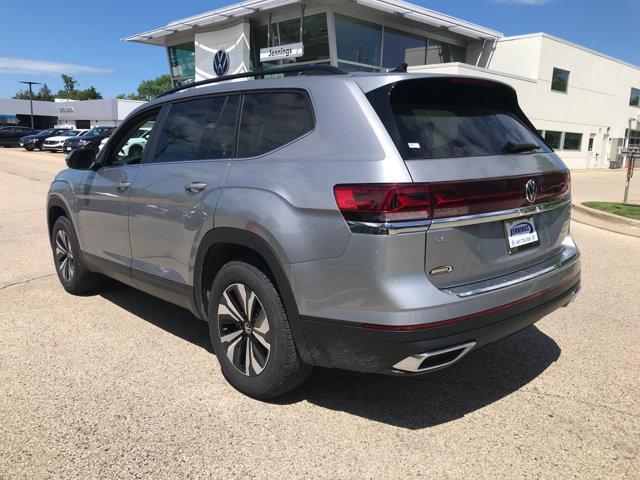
(196, 187)
(123, 186)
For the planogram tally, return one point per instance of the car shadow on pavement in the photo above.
(170, 318)
(481, 378)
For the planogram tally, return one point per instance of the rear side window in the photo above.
(271, 120)
(452, 118)
(200, 129)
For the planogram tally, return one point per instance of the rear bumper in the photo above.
(355, 347)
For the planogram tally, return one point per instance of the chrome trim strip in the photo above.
(412, 364)
(568, 258)
(389, 228)
(395, 228)
(497, 216)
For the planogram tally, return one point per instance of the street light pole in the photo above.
(31, 97)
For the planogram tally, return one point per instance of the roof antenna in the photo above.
(402, 68)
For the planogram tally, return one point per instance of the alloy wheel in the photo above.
(64, 256)
(244, 329)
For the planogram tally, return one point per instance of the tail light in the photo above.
(385, 203)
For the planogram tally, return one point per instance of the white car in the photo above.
(56, 144)
(135, 145)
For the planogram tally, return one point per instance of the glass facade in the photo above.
(369, 47)
(315, 38)
(182, 63)
(634, 98)
(360, 46)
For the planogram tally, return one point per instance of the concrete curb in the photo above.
(605, 220)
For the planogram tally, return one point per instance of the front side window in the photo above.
(199, 129)
(553, 138)
(560, 80)
(271, 120)
(572, 141)
(634, 99)
(127, 149)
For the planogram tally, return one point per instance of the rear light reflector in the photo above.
(384, 203)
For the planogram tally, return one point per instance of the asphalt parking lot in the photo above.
(122, 385)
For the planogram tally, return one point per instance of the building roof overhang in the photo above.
(250, 7)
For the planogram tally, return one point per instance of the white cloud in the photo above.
(523, 2)
(45, 67)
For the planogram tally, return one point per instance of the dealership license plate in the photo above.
(521, 233)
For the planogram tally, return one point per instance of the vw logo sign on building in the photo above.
(221, 63)
(531, 191)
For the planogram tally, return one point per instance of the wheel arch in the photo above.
(236, 244)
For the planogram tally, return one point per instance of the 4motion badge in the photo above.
(441, 270)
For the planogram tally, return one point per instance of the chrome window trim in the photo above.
(462, 221)
(395, 228)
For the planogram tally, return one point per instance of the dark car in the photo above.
(35, 140)
(90, 140)
(10, 135)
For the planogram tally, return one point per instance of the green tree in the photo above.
(70, 90)
(44, 94)
(149, 89)
(69, 84)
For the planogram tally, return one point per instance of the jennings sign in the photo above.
(293, 50)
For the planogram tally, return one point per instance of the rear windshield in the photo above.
(451, 118)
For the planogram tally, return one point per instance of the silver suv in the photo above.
(384, 223)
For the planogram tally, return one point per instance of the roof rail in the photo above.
(301, 70)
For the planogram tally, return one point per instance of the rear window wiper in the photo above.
(511, 147)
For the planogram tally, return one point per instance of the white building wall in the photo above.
(235, 40)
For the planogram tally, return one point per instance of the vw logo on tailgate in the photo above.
(531, 191)
(221, 63)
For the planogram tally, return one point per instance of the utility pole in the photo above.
(31, 97)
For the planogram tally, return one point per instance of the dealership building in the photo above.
(586, 104)
(78, 114)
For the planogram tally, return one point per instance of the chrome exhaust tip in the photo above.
(424, 362)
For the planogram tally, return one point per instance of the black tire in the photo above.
(29, 148)
(135, 151)
(283, 370)
(74, 276)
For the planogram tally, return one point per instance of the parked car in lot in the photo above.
(89, 140)
(383, 223)
(10, 135)
(56, 143)
(138, 141)
(35, 140)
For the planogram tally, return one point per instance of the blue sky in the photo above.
(38, 38)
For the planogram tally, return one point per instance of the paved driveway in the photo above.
(122, 385)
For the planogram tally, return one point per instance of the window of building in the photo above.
(590, 147)
(560, 80)
(553, 138)
(572, 141)
(358, 41)
(199, 129)
(442, 52)
(633, 139)
(271, 120)
(182, 63)
(400, 47)
(634, 99)
(315, 38)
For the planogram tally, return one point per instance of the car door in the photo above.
(174, 195)
(103, 200)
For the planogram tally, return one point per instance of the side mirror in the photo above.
(81, 159)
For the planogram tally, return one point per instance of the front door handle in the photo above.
(196, 187)
(123, 186)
